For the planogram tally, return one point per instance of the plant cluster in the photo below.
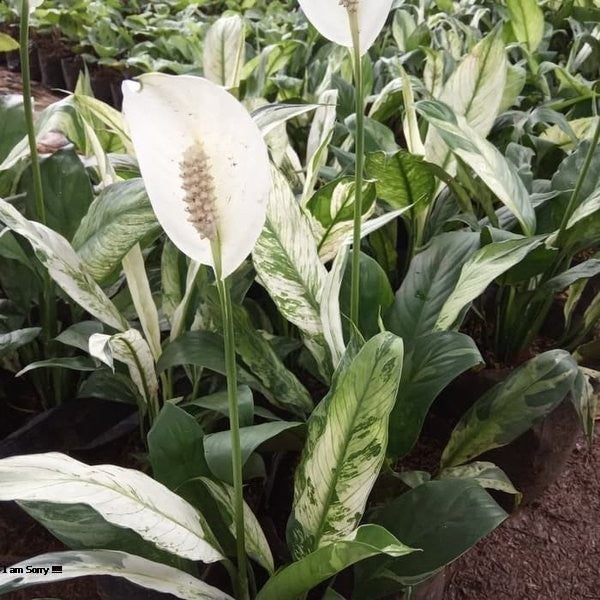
(417, 188)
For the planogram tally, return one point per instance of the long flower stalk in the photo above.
(234, 422)
(359, 167)
(38, 191)
(47, 297)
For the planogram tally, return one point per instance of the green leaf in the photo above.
(203, 349)
(431, 363)
(262, 361)
(443, 518)
(402, 179)
(123, 497)
(474, 90)
(479, 271)
(148, 574)
(225, 51)
(300, 577)
(64, 266)
(376, 296)
(257, 546)
(485, 159)
(13, 340)
(176, 447)
(288, 266)
(80, 527)
(510, 408)
(75, 363)
(217, 446)
(526, 22)
(345, 447)
(377, 135)
(67, 191)
(119, 218)
(584, 270)
(431, 278)
(588, 207)
(219, 403)
(7, 43)
(12, 123)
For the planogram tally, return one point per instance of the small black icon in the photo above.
(56, 569)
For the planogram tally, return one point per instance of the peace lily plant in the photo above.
(356, 25)
(206, 170)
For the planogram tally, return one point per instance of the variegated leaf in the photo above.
(300, 577)
(479, 271)
(345, 447)
(485, 159)
(330, 307)
(257, 546)
(123, 497)
(288, 266)
(259, 357)
(141, 295)
(319, 138)
(510, 408)
(332, 211)
(474, 91)
(133, 350)
(119, 218)
(64, 266)
(224, 51)
(486, 474)
(146, 573)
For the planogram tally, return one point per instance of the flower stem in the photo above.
(359, 167)
(234, 422)
(38, 193)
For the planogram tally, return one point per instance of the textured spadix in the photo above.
(204, 163)
(331, 18)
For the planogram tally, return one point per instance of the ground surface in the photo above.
(547, 551)
(10, 83)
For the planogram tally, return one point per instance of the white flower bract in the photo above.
(331, 18)
(204, 163)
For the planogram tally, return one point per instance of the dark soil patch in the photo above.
(548, 550)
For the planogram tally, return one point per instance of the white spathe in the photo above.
(168, 114)
(332, 20)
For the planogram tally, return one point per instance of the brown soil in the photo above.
(10, 83)
(548, 550)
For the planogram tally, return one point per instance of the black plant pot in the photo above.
(52, 75)
(71, 67)
(101, 85)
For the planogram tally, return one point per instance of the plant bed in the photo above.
(547, 549)
(52, 50)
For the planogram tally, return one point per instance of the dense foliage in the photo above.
(480, 227)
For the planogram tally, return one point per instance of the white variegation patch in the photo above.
(123, 497)
(288, 266)
(146, 573)
(64, 266)
(345, 447)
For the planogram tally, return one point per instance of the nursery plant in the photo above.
(282, 261)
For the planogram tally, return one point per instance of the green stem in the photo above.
(40, 209)
(578, 187)
(234, 421)
(359, 166)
